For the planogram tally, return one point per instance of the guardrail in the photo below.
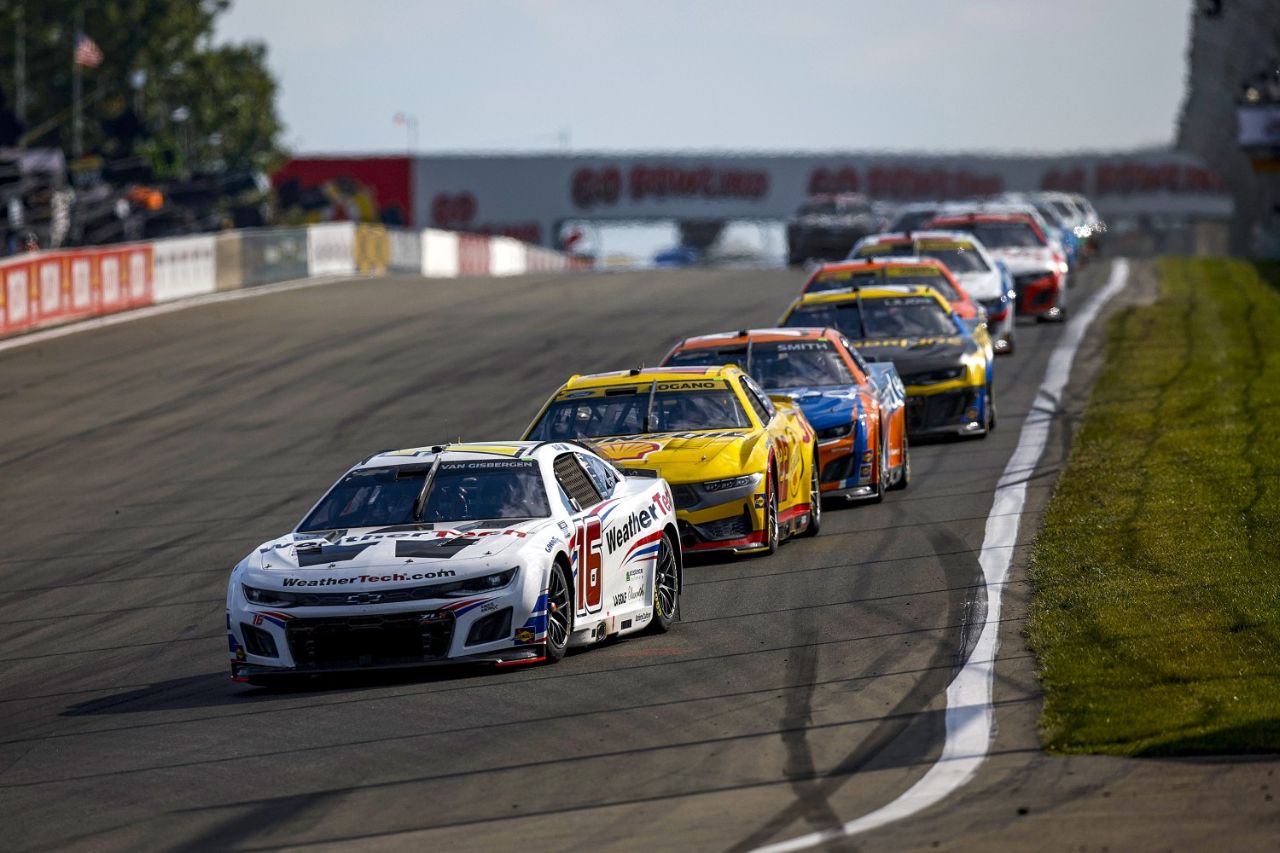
(45, 288)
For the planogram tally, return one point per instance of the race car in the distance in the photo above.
(947, 368)
(826, 226)
(983, 277)
(897, 271)
(742, 465)
(504, 553)
(856, 409)
(1039, 272)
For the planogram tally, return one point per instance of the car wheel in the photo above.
(881, 456)
(771, 534)
(991, 408)
(815, 501)
(666, 588)
(904, 478)
(559, 613)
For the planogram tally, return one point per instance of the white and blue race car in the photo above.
(504, 553)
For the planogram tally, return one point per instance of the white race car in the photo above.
(504, 553)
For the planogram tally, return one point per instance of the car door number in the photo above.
(590, 573)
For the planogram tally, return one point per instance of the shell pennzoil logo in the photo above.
(630, 451)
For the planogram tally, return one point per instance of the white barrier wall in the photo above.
(183, 266)
(331, 248)
(439, 253)
(406, 250)
(506, 256)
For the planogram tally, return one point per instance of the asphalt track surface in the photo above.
(139, 462)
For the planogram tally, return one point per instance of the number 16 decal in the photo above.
(589, 579)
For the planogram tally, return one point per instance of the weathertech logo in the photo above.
(392, 578)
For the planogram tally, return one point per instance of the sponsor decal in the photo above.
(643, 616)
(488, 606)
(303, 545)
(630, 595)
(524, 635)
(632, 451)
(908, 342)
(551, 544)
(391, 578)
(691, 385)
(806, 346)
(631, 526)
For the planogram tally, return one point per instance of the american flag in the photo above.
(87, 52)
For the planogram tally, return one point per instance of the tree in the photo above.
(199, 105)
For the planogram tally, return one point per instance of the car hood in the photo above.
(1025, 260)
(367, 556)
(826, 405)
(686, 457)
(913, 355)
(985, 285)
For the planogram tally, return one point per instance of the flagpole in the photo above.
(77, 121)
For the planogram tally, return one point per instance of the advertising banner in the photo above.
(331, 248)
(183, 266)
(270, 255)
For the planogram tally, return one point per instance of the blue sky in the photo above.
(914, 75)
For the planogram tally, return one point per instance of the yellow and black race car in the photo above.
(946, 367)
(742, 465)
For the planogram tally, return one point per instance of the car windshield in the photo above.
(958, 258)
(882, 317)
(1005, 235)
(818, 208)
(627, 411)
(840, 279)
(911, 220)
(777, 364)
(885, 247)
(459, 491)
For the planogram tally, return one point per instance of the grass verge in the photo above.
(1156, 611)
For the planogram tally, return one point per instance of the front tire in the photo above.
(815, 501)
(904, 479)
(559, 613)
(771, 534)
(666, 588)
(881, 469)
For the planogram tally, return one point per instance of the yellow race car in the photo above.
(946, 364)
(741, 464)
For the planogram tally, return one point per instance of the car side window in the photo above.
(602, 476)
(759, 400)
(573, 478)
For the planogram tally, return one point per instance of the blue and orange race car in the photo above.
(857, 409)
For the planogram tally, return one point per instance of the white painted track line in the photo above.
(969, 696)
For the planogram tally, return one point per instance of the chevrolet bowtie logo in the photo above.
(364, 598)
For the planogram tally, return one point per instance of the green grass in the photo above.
(1156, 611)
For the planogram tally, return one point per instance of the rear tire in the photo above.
(666, 588)
(559, 613)
(882, 456)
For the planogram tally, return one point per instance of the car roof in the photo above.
(984, 217)
(798, 333)
(885, 291)
(453, 452)
(631, 377)
(922, 234)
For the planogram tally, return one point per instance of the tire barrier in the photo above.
(45, 288)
